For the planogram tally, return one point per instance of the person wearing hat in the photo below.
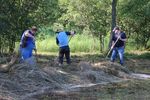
(118, 44)
(62, 41)
(27, 44)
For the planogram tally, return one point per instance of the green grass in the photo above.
(78, 43)
(47, 45)
(144, 55)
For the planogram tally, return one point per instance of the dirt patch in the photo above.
(24, 81)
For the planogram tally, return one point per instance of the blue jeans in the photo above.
(120, 51)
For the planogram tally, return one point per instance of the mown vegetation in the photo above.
(93, 20)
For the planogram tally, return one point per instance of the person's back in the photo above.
(63, 39)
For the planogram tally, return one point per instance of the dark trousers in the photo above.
(64, 51)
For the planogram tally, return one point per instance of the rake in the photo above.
(112, 47)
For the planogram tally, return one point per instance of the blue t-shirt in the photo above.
(119, 43)
(62, 39)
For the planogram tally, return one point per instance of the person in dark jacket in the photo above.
(119, 38)
(63, 42)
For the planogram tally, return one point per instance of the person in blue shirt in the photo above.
(118, 40)
(27, 44)
(63, 42)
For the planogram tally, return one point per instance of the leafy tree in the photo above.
(135, 17)
(92, 15)
(18, 15)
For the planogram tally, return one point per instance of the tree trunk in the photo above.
(114, 3)
(12, 44)
(101, 38)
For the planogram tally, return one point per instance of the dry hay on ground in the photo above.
(24, 81)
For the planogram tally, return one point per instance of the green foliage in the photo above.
(47, 13)
(87, 16)
(92, 14)
(90, 17)
(134, 17)
(44, 33)
(18, 15)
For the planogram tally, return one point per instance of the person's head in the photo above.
(60, 29)
(117, 29)
(33, 29)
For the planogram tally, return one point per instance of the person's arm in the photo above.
(112, 46)
(70, 33)
(124, 40)
(34, 48)
(27, 34)
(57, 41)
(123, 37)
